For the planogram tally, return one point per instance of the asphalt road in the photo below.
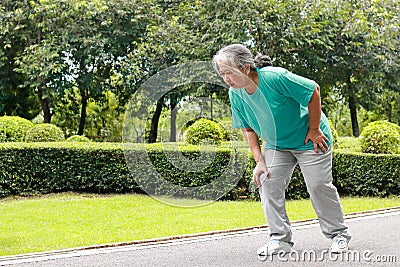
(375, 242)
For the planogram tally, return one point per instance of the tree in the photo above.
(361, 51)
(102, 32)
(40, 59)
(188, 31)
(341, 44)
(16, 96)
(351, 48)
(70, 43)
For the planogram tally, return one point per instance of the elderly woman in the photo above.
(284, 109)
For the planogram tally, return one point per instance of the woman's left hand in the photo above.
(318, 138)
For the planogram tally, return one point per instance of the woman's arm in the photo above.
(314, 132)
(252, 139)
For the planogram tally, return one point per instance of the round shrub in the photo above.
(78, 138)
(13, 128)
(204, 130)
(45, 132)
(381, 137)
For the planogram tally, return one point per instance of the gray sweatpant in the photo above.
(317, 172)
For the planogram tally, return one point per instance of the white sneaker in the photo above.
(274, 247)
(339, 245)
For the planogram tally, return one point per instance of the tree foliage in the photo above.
(50, 48)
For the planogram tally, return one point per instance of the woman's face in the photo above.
(233, 77)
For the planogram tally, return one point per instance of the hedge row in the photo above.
(362, 174)
(32, 168)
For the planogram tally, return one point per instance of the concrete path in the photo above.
(376, 242)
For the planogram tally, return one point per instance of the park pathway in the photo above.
(376, 242)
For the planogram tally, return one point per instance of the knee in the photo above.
(320, 187)
(274, 188)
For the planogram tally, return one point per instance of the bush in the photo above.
(38, 119)
(381, 137)
(335, 135)
(230, 133)
(78, 138)
(44, 132)
(30, 168)
(53, 167)
(363, 174)
(349, 143)
(204, 130)
(13, 128)
(33, 168)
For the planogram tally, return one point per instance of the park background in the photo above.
(69, 68)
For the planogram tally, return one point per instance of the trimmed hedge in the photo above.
(365, 174)
(31, 168)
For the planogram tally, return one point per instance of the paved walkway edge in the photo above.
(29, 257)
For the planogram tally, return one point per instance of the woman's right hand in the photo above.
(258, 170)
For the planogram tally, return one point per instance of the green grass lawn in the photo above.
(71, 220)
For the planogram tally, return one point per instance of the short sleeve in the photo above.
(297, 87)
(238, 120)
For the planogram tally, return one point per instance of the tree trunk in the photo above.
(82, 120)
(44, 103)
(174, 111)
(154, 121)
(353, 115)
(353, 109)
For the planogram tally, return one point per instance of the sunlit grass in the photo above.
(71, 220)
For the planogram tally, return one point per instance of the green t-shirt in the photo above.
(278, 110)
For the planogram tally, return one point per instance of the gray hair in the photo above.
(237, 56)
